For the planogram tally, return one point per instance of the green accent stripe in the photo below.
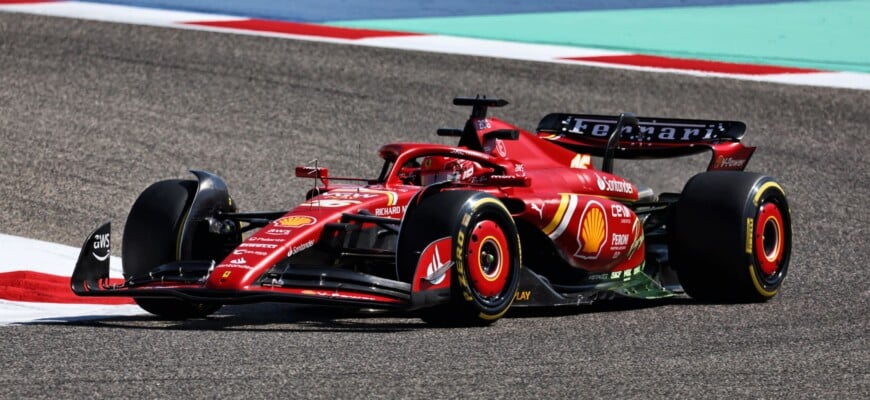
(829, 35)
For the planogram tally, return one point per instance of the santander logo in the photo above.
(614, 185)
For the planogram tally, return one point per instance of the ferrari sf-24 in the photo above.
(461, 234)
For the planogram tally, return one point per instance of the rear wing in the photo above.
(651, 138)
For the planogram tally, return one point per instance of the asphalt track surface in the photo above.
(91, 113)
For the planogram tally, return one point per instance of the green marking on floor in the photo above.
(828, 35)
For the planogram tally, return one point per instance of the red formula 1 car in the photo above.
(506, 218)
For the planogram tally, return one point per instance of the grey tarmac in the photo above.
(91, 113)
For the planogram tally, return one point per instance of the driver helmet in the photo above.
(440, 168)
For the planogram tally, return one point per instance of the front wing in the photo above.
(321, 285)
(186, 280)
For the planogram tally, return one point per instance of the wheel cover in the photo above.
(769, 238)
(488, 260)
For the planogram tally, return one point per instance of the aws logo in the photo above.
(592, 232)
(295, 221)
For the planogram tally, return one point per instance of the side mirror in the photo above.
(509, 180)
(313, 172)
(503, 134)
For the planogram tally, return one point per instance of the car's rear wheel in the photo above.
(151, 238)
(485, 254)
(731, 237)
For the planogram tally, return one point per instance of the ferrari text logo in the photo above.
(647, 131)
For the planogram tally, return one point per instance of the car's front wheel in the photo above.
(485, 254)
(151, 238)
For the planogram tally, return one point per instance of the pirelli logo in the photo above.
(749, 232)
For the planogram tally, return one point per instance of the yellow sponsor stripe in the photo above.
(560, 213)
(392, 197)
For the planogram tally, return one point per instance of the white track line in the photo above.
(20, 312)
(22, 254)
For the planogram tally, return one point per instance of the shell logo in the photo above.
(295, 221)
(593, 231)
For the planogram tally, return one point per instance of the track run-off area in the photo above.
(92, 111)
(810, 42)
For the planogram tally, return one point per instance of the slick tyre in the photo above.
(151, 237)
(486, 254)
(730, 237)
